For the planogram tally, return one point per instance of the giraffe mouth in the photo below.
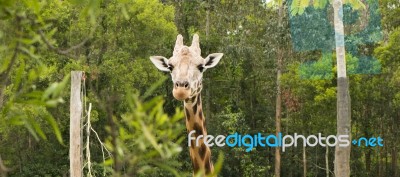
(181, 93)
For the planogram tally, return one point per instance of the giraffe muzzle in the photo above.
(181, 90)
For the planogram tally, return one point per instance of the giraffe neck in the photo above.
(195, 120)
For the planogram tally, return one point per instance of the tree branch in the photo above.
(322, 168)
(3, 168)
(59, 51)
(89, 163)
(5, 76)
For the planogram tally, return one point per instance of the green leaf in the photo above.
(55, 127)
(154, 87)
(53, 102)
(18, 76)
(168, 168)
(124, 13)
(31, 130)
(55, 89)
(49, 91)
(17, 120)
(355, 4)
(319, 4)
(218, 164)
(108, 162)
(301, 11)
(304, 4)
(295, 7)
(151, 139)
(28, 52)
(35, 125)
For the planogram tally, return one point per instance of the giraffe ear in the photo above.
(160, 62)
(212, 60)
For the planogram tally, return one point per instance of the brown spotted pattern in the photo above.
(195, 120)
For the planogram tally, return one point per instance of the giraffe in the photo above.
(186, 67)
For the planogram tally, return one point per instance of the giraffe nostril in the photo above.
(182, 84)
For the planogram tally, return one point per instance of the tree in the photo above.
(342, 154)
(278, 106)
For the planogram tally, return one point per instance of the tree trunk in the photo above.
(368, 161)
(394, 161)
(327, 161)
(393, 130)
(278, 108)
(75, 125)
(378, 158)
(1, 96)
(342, 154)
(304, 162)
(385, 168)
(207, 99)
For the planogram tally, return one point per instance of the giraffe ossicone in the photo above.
(187, 67)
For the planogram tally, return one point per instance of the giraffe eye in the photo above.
(170, 67)
(200, 67)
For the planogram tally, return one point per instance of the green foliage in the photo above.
(29, 105)
(322, 69)
(298, 7)
(42, 41)
(146, 137)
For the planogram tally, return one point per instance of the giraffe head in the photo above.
(186, 67)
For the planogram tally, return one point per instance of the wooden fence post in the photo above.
(75, 125)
